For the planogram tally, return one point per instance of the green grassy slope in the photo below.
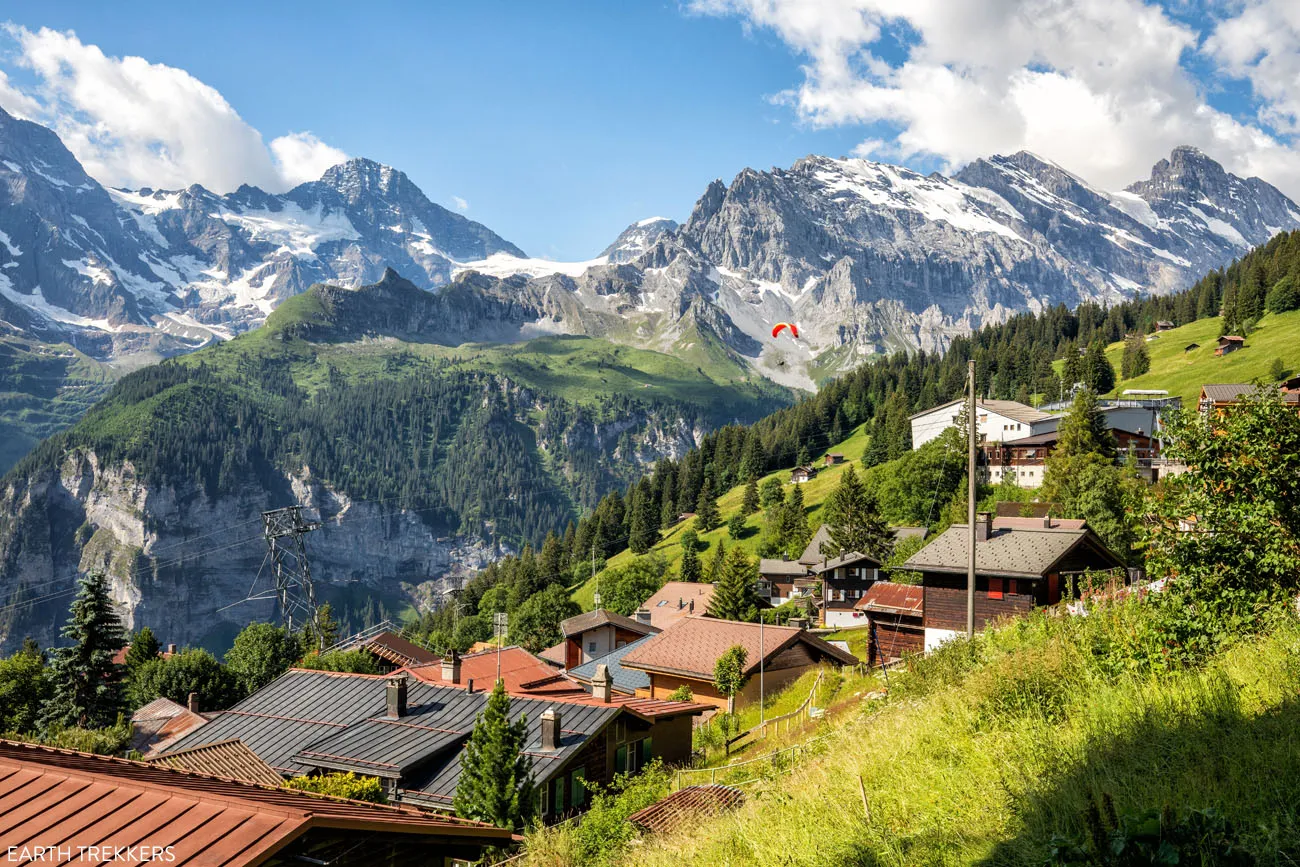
(984, 752)
(815, 493)
(1183, 373)
(44, 388)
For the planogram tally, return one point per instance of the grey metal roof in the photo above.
(771, 566)
(1008, 408)
(627, 680)
(308, 719)
(600, 617)
(1227, 391)
(813, 553)
(845, 560)
(1019, 553)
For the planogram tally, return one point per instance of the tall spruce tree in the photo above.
(144, 647)
(1136, 359)
(715, 563)
(644, 530)
(707, 515)
(854, 522)
(87, 683)
(735, 597)
(749, 505)
(689, 569)
(1098, 373)
(496, 775)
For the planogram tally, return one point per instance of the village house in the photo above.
(389, 650)
(1229, 343)
(833, 458)
(777, 577)
(845, 580)
(677, 599)
(1189, 347)
(800, 475)
(77, 800)
(1219, 397)
(685, 655)
(1025, 460)
(624, 681)
(1164, 325)
(997, 420)
(593, 634)
(894, 613)
(1020, 564)
(522, 673)
(411, 734)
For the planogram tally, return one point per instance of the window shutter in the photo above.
(995, 588)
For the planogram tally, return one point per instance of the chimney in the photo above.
(451, 667)
(602, 684)
(396, 693)
(643, 615)
(171, 648)
(469, 685)
(1047, 521)
(192, 702)
(692, 611)
(983, 526)
(680, 603)
(550, 729)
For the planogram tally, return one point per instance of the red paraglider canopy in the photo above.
(794, 329)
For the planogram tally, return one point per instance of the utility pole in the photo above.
(499, 622)
(972, 425)
(284, 530)
(762, 651)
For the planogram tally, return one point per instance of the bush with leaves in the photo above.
(192, 670)
(623, 590)
(350, 661)
(535, 625)
(1153, 838)
(682, 693)
(729, 675)
(341, 785)
(604, 830)
(261, 653)
(24, 687)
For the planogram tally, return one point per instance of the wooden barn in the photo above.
(894, 612)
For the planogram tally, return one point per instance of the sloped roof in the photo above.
(523, 673)
(554, 654)
(602, 617)
(693, 645)
(787, 568)
(626, 680)
(1016, 552)
(847, 559)
(813, 552)
(901, 533)
(160, 720)
(56, 797)
(1225, 392)
(1009, 408)
(672, 602)
(230, 760)
(398, 650)
(687, 803)
(906, 599)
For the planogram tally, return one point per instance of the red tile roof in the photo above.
(692, 646)
(523, 673)
(61, 798)
(685, 804)
(673, 601)
(895, 598)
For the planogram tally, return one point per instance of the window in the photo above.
(578, 789)
(646, 753)
(995, 588)
(620, 760)
(560, 785)
(591, 647)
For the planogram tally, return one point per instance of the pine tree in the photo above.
(854, 522)
(735, 598)
(1136, 359)
(87, 683)
(645, 521)
(736, 526)
(1098, 374)
(690, 569)
(1083, 430)
(550, 561)
(707, 515)
(750, 504)
(715, 562)
(496, 783)
(751, 457)
(144, 647)
(804, 457)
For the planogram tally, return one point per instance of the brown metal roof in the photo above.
(685, 804)
(692, 646)
(61, 798)
(230, 760)
(600, 617)
(399, 651)
(904, 599)
(159, 722)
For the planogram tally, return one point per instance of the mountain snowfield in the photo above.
(865, 257)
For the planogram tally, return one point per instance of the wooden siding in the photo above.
(897, 635)
(945, 605)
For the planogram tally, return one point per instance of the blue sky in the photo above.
(558, 123)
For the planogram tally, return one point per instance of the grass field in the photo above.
(669, 547)
(1182, 373)
(987, 750)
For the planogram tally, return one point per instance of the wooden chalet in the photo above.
(833, 458)
(894, 613)
(845, 580)
(800, 475)
(1229, 343)
(1217, 398)
(1025, 460)
(686, 653)
(1189, 347)
(593, 634)
(1020, 564)
(1164, 325)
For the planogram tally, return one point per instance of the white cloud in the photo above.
(461, 204)
(134, 123)
(1100, 86)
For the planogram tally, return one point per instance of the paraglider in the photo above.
(794, 329)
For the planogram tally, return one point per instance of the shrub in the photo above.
(681, 693)
(1155, 837)
(350, 661)
(341, 785)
